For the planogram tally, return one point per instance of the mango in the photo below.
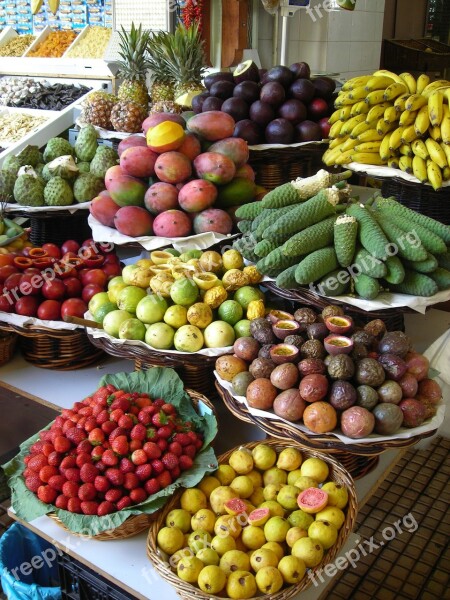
(172, 223)
(130, 142)
(214, 167)
(197, 195)
(191, 146)
(247, 172)
(158, 118)
(213, 219)
(165, 136)
(173, 167)
(233, 147)
(238, 191)
(127, 191)
(212, 125)
(161, 196)
(104, 209)
(133, 221)
(138, 161)
(113, 173)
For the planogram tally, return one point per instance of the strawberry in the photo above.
(134, 411)
(68, 425)
(157, 466)
(90, 424)
(105, 508)
(97, 453)
(86, 411)
(126, 465)
(108, 427)
(46, 494)
(160, 418)
(120, 445)
(185, 462)
(46, 472)
(175, 473)
(37, 462)
(115, 476)
(88, 473)
(145, 415)
(57, 482)
(70, 489)
(96, 436)
(102, 416)
(130, 481)
(138, 495)
(82, 459)
(74, 505)
(96, 410)
(54, 432)
(68, 462)
(111, 389)
(126, 421)
(79, 424)
(101, 484)
(55, 459)
(28, 472)
(165, 431)
(76, 435)
(135, 445)
(100, 396)
(33, 482)
(89, 508)
(109, 458)
(27, 458)
(152, 486)
(122, 404)
(158, 403)
(62, 444)
(152, 434)
(190, 450)
(100, 466)
(124, 502)
(78, 406)
(144, 472)
(71, 474)
(113, 495)
(139, 457)
(58, 422)
(168, 408)
(61, 502)
(36, 448)
(67, 413)
(139, 432)
(198, 443)
(162, 444)
(47, 436)
(192, 435)
(164, 479)
(84, 446)
(152, 450)
(170, 461)
(116, 433)
(176, 448)
(87, 491)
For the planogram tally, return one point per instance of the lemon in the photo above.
(230, 311)
(97, 301)
(132, 329)
(184, 291)
(176, 316)
(232, 259)
(200, 315)
(219, 334)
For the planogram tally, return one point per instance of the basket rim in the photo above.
(132, 526)
(337, 473)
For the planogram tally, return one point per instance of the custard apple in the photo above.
(7, 181)
(58, 192)
(57, 147)
(29, 156)
(86, 144)
(104, 159)
(84, 166)
(86, 187)
(29, 190)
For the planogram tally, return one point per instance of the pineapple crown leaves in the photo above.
(133, 49)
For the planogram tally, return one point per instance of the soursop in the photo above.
(86, 144)
(29, 156)
(104, 159)
(86, 187)
(63, 166)
(57, 147)
(84, 166)
(11, 163)
(45, 174)
(58, 192)
(7, 181)
(29, 190)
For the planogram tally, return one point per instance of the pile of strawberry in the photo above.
(110, 451)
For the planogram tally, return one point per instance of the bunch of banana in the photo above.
(8, 229)
(393, 120)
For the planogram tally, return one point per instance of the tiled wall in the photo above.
(345, 42)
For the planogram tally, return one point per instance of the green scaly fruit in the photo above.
(86, 143)
(30, 155)
(87, 187)
(58, 192)
(29, 190)
(57, 147)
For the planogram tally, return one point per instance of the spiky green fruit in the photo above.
(58, 192)
(57, 147)
(86, 144)
(29, 190)
(87, 187)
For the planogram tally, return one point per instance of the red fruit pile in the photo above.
(110, 451)
(53, 282)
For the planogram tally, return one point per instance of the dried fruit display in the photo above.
(16, 126)
(54, 45)
(92, 45)
(17, 46)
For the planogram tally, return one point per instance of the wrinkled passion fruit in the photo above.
(313, 349)
(339, 324)
(388, 418)
(341, 366)
(246, 348)
(308, 366)
(306, 316)
(261, 368)
(357, 422)
(338, 344)
(284, 353)
(332, 311)
(264, 351)
(342, 395)
(369, 372)
(317, 331)
(394, 366)
(313, 387)
(284, 376)
(394, 342)
(294, 339)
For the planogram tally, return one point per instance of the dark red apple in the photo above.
(325, 127)
(52, 250)
(317, 108)
(90, 290)
(54, 290)
(6, 271)
(112, 270)
(70, 246)
(6, 304)
(73, 307)
(73, 287)
(30, 284)
(12, 282)
(96, 276)
(27, 306)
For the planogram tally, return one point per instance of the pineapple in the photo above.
(162, 87)
(134, 65)
(97, 109)
(128, 116)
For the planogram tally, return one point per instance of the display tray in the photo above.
(11, 112)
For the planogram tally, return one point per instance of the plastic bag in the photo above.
(271, 6)
(28, 566)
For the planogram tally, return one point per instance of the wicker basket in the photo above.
(56, 226)
(58, 349)
(421, 198)
(136, 523)
(8, 342)
(392, 317)
(276, 166)
(186, 590)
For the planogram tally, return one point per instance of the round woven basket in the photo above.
(326, 443)
(392, 317)
(8, 342)
(61, 350)
(186, 590)
(57, 226)
(137, 523)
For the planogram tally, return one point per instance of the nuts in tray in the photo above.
(17, 45)
(13, 127)
(93, 44)
(54, 45)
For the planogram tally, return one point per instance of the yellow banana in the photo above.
(419, 148)
(446, 93)
(351, 123)
(419, 167)
(357, 94)
(377, 111)
(344, 113)
(434, 175)
(378, 83)
(436, 153)
(400, 102)
(382, 127)
(405, 164)
(362, 127)
(395, 90)
(371, 135)
(348, 144)
(335, 129)
(409, 134)
(435, 85)
(415, 102)
(422, 121)
(422, 82)
(344, 157)
(330, 155)
(336, 142)
(393, 162)
(445, 124)
(384, 150)
(384, 72)
(53, 5)
(410, 81)
(343, 100)
(390, 115)
(407, 117)
(368, 158)
(446, 173)
(436, 107)
(406, 150)
(446, 149)
(36, 6)
(435, 133)
(334, 117)
(395, 141)
(368, 147)
(355, 82)
(376, 97)
(360, 108)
